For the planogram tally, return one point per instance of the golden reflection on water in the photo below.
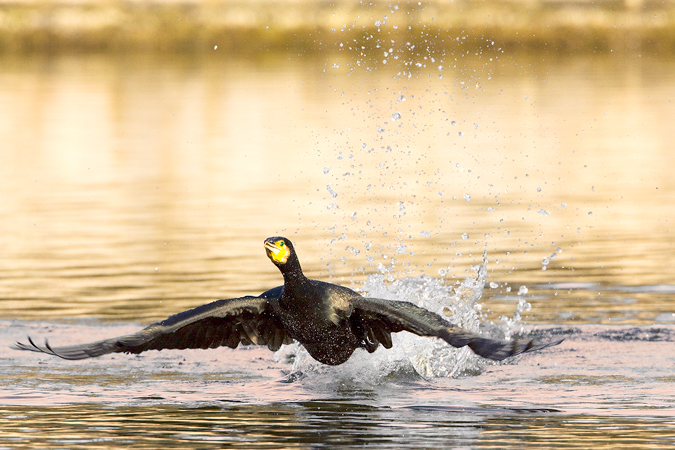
(302, 425)
(135, 186)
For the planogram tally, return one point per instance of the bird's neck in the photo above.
(295, 288)
(292, 271)
(294, 280)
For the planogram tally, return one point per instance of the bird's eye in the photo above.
(281, 243)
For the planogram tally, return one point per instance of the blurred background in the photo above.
(148, 147)
(250, 27)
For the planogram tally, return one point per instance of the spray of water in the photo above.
(413, 356)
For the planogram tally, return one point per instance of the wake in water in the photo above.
(411, 355)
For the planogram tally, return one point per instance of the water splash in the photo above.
(330, 190)
(413, 355)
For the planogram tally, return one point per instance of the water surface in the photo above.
(135, 187)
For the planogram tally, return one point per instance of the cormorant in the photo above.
(329, 320)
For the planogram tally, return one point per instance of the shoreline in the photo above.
(262, 26)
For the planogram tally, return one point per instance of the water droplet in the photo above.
(544, 212)
(467, 197)
(378, 23)
(453, 123)
(465, 236)
(380, 130)
(326, 170)
(522, 290)
(401, 98)
(460, 134)
(396, 116)
(331, 191)
(425, 234)
(494, 285)
(400, 249)
(564, 205)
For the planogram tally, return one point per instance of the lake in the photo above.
(135, 186)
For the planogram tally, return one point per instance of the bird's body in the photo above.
(329, 320)
(310, 317)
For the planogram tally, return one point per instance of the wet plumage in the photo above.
(329, 320)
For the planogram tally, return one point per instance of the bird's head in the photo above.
(279, 250)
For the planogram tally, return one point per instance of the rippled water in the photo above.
(603, 383)
(135, 187)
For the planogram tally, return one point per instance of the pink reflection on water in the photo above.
(597, 370)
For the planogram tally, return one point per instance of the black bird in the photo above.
(329, 320)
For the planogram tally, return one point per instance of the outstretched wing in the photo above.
(378, 318)
(245, 320)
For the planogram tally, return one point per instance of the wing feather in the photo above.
(245, 320)
(381, 317)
